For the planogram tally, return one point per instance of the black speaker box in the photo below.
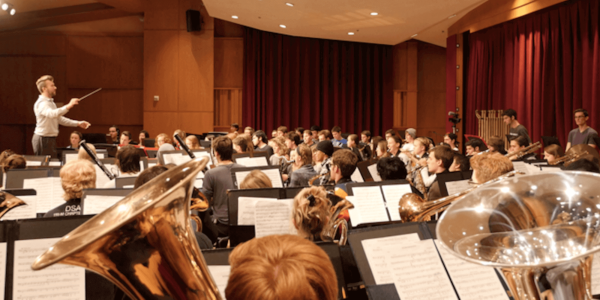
(194, 20)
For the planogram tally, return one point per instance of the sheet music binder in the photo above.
(363, 169)
(123, 192)
(239, 234)
(355, 238)
(245, 169)
(442, 178)
(352, 185)
(15, 177)
(96, 286)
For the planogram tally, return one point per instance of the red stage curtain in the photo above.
(296, 81)
(544, 66)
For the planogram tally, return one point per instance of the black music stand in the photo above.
(15, 177)
(94, 138)
(550, 140)
(364, 171)
(149, 143)
(236, 170)
(443, 178)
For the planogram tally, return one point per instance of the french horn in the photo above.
(8, 202)
(541, 231)
(144, 244)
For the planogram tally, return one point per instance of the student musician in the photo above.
(281, 131)
(439, 161)
(315, 132)
(292, 140)
(304, 168)
(496, 144)
(409, 137)
(256, 180)
(381, 149)
(311, 213)
(338, 140)
(474, 146)
(15, 161)
(114, 133)
(516, 129)
(391, 168)
(353, 146)
(125, 139)
(324, 135)
(241, 145)
(143, 135)
(583, 134)
(553, 152)
(451, 140)
(192, 142)
(128, 162)
(365, 138)
(520, 143)
(75, 176)
(75, 138)
(260, 142)
(417, 161)
(235, 127)
(308, 139)
(460, 163)
(343, 165)
(322, 158)
(279, 151)
(488, 166)
(394, 143)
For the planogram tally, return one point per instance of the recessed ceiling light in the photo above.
(374, 14)
(452, 16)
(4, 6)
(414, 35)
(350, 33)
(13, 12)
(289, 4)
(282, 26)
(234, 17)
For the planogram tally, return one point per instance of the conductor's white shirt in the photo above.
(48, 117)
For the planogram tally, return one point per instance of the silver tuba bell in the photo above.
(144, 244)
(540, 230)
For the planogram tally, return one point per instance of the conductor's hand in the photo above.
(84, 124)
(72, 103)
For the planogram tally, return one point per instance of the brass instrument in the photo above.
(540, 231)
(331, 229)
(527, 150)
(568, 158)
(144, 244)
(415, 209)
(418, 183)
(583, 148)
(8, 202)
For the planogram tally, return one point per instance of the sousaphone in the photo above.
(144, 244)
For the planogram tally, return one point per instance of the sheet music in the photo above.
(521, 167)
(69, 157)
(60, 282)
(150, 165)
(378, 253)
(392, 194)
(33, 163)
(368, 206)
(472, 281)
(260, 161)
(356, 176)
(373, 171)
(54, 163)
(172, 158)
(20, 212)
(273, 174)
(240, 176)
(550, 169)
(221, 275)
(95, 204)
(204, 154)
(272, 217)
(246, 209)
(49, 192)
(101, 178)
(533, 169)
(455, 187)
(3, 259)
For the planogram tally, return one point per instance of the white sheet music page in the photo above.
(455, 187)
(171, 158)
(419, 273)
(596, 275)
(275, 177)
(356, 176)
(204, 154)
(101, 178)
(54, 163)
(57, 193)
(32, 163)
(95, 204)
(260, 161)
(472, 281)
(221, 275)
(20, 212)
(550, 169)
(392, 194)
(49, 192)
(373, 171)
(3, 259)
(57, 282)
(247, 207)
(378, 252)
(272, 217)
(368, 205)
(521, 167)
(71, 156)
(240, 176)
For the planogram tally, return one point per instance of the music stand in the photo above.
(94, 138)
(109, 149)
(473, 137)
(148, 143)
(550, 140)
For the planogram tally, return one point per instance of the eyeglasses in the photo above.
(579, 117)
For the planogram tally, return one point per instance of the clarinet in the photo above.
(96, 160)
(184, 146)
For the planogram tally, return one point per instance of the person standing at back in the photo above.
(48, 117)
(583, 134)
(516, 129)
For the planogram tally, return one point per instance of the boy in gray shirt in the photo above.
(583, 134)
(516, 129)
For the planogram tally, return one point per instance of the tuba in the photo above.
(541, 231)
(144, 244)
(415, 209)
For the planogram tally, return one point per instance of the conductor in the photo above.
(48, 117)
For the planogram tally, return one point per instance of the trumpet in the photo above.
(413, 208)
(527, 150)
(144, 244)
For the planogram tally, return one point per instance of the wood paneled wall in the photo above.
(80, 63)
(420, 88)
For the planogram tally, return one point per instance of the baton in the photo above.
(90, 94)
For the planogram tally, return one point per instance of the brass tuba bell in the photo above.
(144, 244)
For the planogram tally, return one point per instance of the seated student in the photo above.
(4, 155)
(517, 144)
(280, 267)
(553, 152)
(391, 168)
(274, 133)
(409, 136)
(74, 139)
(474, 146)
(300, 131)
(82, 154)
(75, 176)
(420, 154)
(394, 144)
(235, 127)
(308, 139)
(260, 142)
(381, 148)
(338, 140)
(241, 145)
(128, 162)
(304, 168)
(281, 131)
(343, 165)
(148, 175)
(292, 140)
(390, 133)
(353, 146)
(181, 134)
(488, 166)
(192, 142)
(163, 148)
(143, 135)
(460, 163)
(439, 161)
(496, 144)
(114, 133)
(162, 139)
(249, 131)
(125, 139)
(15, 161)
(311, 212)
(279, 150)
(315, 132)
(324, 135)
(216, 183)
(322, 158)
(451, 140)
(256, 180)
(365, 138)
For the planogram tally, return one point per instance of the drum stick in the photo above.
(90, 94)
